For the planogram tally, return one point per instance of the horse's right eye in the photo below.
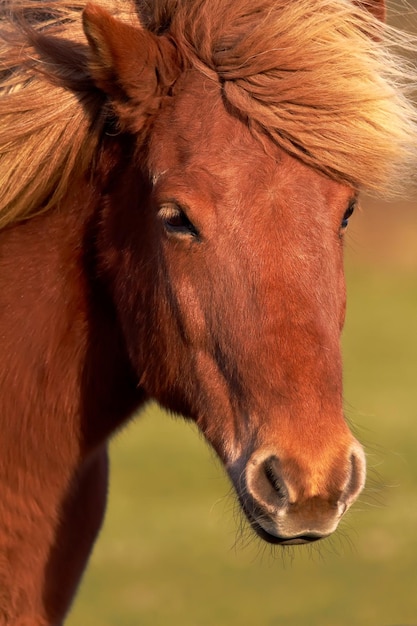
(176, 221)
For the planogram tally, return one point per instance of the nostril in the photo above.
(272, 471)
(357, 476)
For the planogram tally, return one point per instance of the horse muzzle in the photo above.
(287, 504)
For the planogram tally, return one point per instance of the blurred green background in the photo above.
(175, 550)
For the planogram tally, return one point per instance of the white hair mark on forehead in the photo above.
(157, 176)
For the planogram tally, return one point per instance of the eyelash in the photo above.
(176, 221)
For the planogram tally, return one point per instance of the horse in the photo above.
(176, 180)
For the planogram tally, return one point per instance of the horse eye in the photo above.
(176, 221)
(348, 213)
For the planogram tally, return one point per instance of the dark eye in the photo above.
(176, 221)
(348, 213)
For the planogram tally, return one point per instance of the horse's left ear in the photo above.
(376, 7)
(134, 67)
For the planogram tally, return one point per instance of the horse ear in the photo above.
(376, 7)
(134, 67)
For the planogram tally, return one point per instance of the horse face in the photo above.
(224, 257)
(233, 304)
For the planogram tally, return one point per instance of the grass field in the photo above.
(173, 551)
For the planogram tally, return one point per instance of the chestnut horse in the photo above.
(176, 180)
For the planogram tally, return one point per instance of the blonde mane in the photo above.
(325, 80)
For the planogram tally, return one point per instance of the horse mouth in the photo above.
(284, 541)
(305, 538)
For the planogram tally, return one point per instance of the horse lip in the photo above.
(266, 536)
(308, 537)
(285, 541)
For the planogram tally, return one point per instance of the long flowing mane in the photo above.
(325, 80)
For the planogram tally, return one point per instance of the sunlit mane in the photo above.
(322, 79)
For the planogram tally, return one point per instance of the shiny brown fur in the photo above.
(181, 254)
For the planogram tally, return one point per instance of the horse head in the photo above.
(223, 253)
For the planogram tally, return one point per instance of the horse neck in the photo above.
(64, 363)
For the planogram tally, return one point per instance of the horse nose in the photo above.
(287, 504)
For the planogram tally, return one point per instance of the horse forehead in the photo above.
(195, 129)
(197, 139)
